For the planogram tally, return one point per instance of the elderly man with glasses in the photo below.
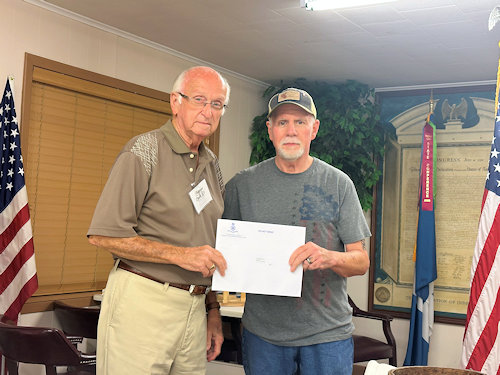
(157, 215)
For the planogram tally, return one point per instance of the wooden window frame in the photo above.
(114, 86)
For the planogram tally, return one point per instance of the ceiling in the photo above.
(406, 43)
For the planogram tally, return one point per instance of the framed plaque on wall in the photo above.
(464, 119)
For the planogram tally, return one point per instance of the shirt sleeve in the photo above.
(352, 223)
(122, 198)
(231, 201)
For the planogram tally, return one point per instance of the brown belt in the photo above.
(192, 289)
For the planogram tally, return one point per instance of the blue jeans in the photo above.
(261, 357)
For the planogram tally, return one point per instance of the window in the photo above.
(74, 123)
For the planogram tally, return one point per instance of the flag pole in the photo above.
(498, 80)
(422, 304)
(431, 104)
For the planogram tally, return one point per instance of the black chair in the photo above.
(231, 347)
(367, 348)
(46, 346)
(77, 322)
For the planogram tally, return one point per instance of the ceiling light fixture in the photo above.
(338, 4)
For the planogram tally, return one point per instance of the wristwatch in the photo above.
(212, 305)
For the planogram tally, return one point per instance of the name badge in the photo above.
(200, 196)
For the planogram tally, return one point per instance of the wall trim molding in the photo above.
(435, 86)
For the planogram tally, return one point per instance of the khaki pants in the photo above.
(150, 328)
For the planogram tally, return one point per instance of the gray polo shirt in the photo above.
(147, 195)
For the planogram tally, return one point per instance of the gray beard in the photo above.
(290, 156)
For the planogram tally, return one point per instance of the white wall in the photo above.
(28, 28)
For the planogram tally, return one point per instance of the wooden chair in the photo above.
(367, 348)
(46, 346)
(77, 322)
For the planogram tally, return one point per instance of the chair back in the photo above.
(47, 346)
(77, 321)
(367, 348)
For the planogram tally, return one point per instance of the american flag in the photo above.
(481, 346)
(18, 280)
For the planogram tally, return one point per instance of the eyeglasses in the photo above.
(201, 102)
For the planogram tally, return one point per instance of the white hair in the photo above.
(180, 82)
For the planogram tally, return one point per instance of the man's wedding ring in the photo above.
(211, 267)
(309, 260)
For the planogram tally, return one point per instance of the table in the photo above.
(231, 311)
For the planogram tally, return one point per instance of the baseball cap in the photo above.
(295, 96)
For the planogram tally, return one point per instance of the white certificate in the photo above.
(257, 256)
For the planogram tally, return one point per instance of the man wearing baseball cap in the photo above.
(313, 333)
